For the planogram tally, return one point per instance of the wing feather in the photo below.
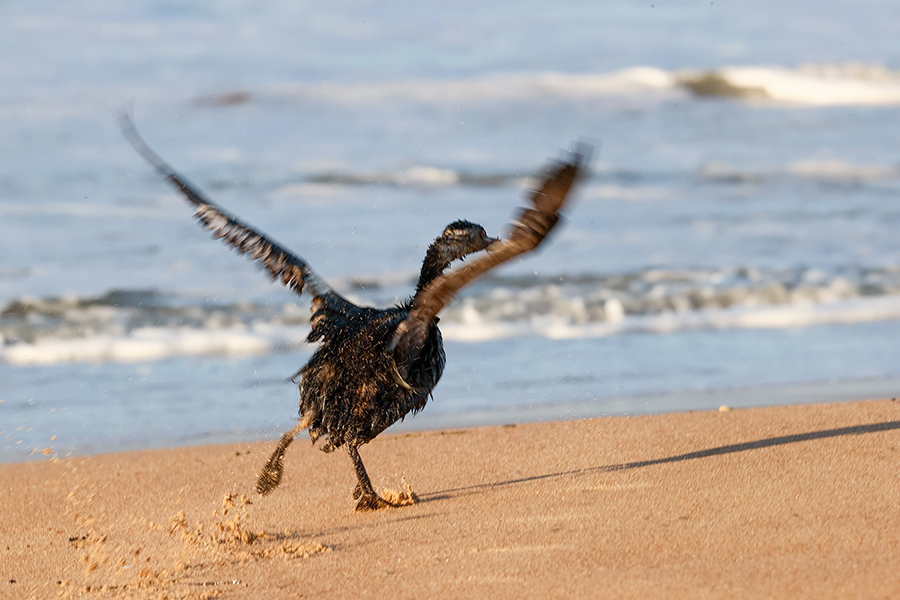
(281, 264)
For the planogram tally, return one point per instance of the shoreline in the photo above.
(793, 501)
(433, 419)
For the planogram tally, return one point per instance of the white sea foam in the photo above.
(816, 85)
(427, 175)
(807, 85)
(861, 310)
(149, 344)
(842, 171)
(560, 319)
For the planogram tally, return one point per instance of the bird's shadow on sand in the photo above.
(729, 449)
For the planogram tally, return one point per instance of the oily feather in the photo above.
(281, 264)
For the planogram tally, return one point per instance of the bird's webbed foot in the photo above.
(364, 492)
(371, 502)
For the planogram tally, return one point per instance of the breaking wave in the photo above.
(604, 183)
(128, 326)
(812, 85)
(828, 84)
(504, 87)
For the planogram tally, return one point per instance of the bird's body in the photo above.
(353, 369)
(373, 366)
(353, 364)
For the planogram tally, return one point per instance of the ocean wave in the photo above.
(615, 298)
(141, 325)
(414, 176)
(828, 171)
(826, 84)
(127, 326)
(156, 343)
(606, 184)
(858, 310)
(809, 85)
(505, 86)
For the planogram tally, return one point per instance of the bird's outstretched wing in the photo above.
(530, 227)
(281, 264)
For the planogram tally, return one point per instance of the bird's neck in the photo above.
(432, 267)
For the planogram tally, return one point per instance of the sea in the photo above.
(737, 240)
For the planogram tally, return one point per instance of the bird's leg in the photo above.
(368, 499)
(270, 477)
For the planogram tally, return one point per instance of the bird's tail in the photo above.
(270, 476)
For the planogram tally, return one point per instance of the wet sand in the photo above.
(784, 502)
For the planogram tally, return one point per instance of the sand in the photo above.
(786, 502)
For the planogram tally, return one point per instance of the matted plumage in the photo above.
(374, 366)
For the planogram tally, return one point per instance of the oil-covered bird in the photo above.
(374, 366)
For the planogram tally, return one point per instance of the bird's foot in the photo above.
(357, 492)
(372, 502)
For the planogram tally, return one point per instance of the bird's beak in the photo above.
(489, 243)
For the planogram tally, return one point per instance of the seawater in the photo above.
(738, 231)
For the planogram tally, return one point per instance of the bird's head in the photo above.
(461, 238)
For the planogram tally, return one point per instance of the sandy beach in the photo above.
(786, 502)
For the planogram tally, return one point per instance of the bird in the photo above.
(374, 366)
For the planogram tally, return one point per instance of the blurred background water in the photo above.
(738, 232)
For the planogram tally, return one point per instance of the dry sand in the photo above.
(788, 502)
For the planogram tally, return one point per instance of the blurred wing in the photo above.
(281, 264)
(530, 227)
